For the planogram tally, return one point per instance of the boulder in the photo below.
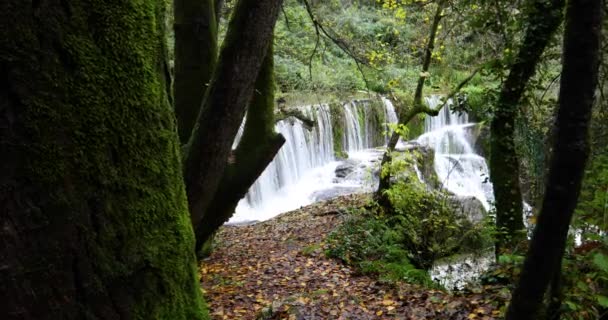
(346, 168)
(468, 206)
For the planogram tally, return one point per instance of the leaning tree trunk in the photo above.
(258, 146)
(576, 97)
(229, 93)
(195, 58)
(94, 215)
(544, 18)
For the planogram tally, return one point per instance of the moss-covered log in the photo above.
(258, 146)
(195, 56)
(543, 19)
(229, 94)
(94, 215)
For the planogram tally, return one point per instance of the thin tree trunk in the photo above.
(195, 58)
(257, 148)
(544, 19)
(94, 217)
(249, 35)
(417, 108)
(576, 97)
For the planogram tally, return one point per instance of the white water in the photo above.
(459, 169)
(462, 172)
(305, 166)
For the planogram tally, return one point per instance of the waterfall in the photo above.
(305, 165)
(353, 132)
(458, 167)
(391, 117)
(303, 151)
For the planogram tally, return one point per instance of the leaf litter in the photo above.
(277, 269)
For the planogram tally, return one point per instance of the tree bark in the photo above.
(249, 35)
(195, 58)
(544, 18)
(94, 217)
(257, 148)
(576, 97)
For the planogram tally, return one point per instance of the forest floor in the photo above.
(277, 269)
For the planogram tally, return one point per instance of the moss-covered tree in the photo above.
(94, 215)
(570, 152)
(195, 57)
(543, 19)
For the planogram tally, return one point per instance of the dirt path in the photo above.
(280, 265)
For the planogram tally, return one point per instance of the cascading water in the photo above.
(354, 135)
(305, 165)
(304, 150)
(391, 117)
(459, 169)
(462, 172)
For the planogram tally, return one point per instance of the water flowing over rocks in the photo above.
(306, 169)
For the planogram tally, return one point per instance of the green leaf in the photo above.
(603, 301)
(601, 261)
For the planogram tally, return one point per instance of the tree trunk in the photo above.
(576, 97)
(258, 146)
(249, 34)
(93, 208)
(195, 58)
(417, 108)
(544, 18)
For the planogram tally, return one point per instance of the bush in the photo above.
(368, 243)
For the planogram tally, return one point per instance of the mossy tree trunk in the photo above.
(94, 215)
(543, 19)
(258, 146)
(570, 152)
(195, 57)
(230, 91)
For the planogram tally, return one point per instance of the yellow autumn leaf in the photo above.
(387, 302)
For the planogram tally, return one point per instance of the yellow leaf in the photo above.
(479, 310)
(379, 313)
(388, 302)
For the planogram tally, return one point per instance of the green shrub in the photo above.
(367, 242)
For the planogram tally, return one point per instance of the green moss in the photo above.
(337, 117)
(378, 122)
(104, 153)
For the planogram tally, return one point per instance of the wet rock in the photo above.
(344, 169)
(424, 162)
(469, 207)
(333, 193)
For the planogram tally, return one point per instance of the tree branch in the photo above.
(285, 113)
